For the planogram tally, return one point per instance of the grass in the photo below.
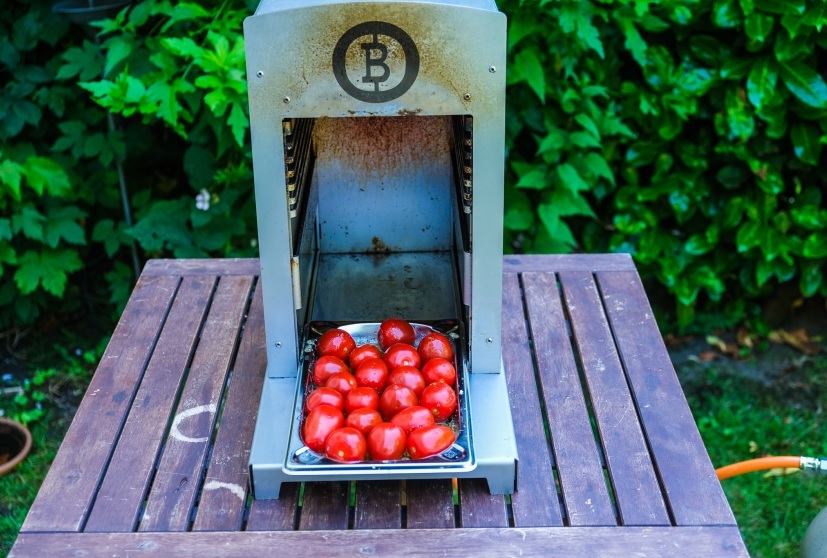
(739, 419)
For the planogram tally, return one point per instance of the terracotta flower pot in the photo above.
(15, 443)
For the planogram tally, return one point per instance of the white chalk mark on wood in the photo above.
(175, 433)
(232, 487)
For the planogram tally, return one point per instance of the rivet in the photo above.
(286, 99)
(489, 340)
(278, 343)
(493, 69)
(260, 73)
(467, 96)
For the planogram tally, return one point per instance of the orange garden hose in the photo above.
(772, 462)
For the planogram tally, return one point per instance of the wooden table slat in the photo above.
(177, 480)
(693, 492)
(215, 267)
(378, 505)
(430, 504)
(567, 262)
(275, 515)
(224, 496)
(122, 492)
(607, 542)
(478, 507)
(535, 502)
(576, 454)
(325, 506)
(637, 493)
(70, 485)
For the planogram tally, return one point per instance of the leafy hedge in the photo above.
(686, 132)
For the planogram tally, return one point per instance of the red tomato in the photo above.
(435, 345)
(318, 425)
(386, 442)
(402, 354)
(346, 445)
(439, 370)
(325, 396)
(372, 373)
(360, 354)
(363, 420)
(336, 342)
(408, 376)
(361, 397)
(343, 382)
(440, 399)
(429, 441)
(394, 399)
(413, 418)
(395, 331)
(325, 367)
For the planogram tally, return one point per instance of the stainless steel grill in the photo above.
(378, 144)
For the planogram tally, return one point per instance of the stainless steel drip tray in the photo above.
(458, 457)
(420, 286)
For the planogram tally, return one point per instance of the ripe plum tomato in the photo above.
(394, 399)
(361, 397)
(386, 442)
(429, 441)
(435, 345)
(402, 354)
(325, 396)
(394, 331)
(372, 373)
(325, 367)
(360, 354)
(318, 425)
(413, 418)
(343, 382)
(439, 370)
(363, 420)
(408, 376)
(440, 399)
(336, 342)
(346, 445)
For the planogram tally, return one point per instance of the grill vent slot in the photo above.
(297, 160)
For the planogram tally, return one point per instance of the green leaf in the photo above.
(759, 26)
(781, 6)
(727, 13)
(572, 17)
(555, 139)
(634, 43)
(736, 68)
(519, 212)
(787, 48)
(598, 165)
(584, 139)
(738, 115)
(11, 175)
(118, 49)
(528, 66)
(62, 222)
(47, 269)
(238, 122)
(529, 175)
(806, 145)
(815, 245)
(519, 27)
(811, 279)
(567, 203)
(30, 221)
(810, 217)
(571, 179)
(164, 226)
(748, 236)
(762, 81)
(555, 227)
(44, 174)
(84, 61)
(805, 83)
(5, 229)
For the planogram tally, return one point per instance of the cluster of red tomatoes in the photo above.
(381, 401)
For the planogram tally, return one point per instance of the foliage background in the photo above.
(687, 132)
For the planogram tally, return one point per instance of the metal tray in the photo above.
(459, 455)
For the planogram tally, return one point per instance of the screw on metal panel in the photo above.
(260, 73)
(286, 99)
(467, 96)
(278, 343)
(492, 69)
(489, 340)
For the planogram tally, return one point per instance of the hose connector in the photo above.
(817, 464)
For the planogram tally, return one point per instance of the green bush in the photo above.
(687, 132)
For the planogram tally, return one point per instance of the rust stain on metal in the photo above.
(378, 246)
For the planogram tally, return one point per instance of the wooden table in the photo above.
(155, 461)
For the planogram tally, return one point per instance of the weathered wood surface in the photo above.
(590, 353)
(694, 494)
(607, 542)
(69, 489)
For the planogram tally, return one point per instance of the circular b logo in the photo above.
(375, 62)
